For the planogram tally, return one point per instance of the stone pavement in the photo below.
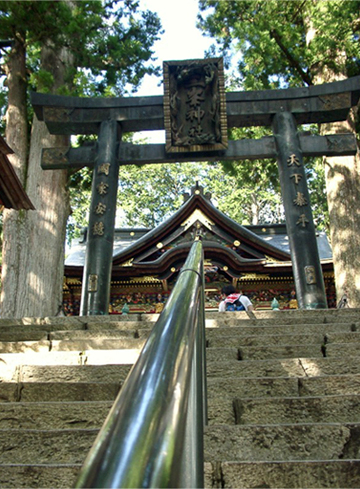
(283, 393)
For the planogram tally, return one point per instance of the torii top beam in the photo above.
(328, 102)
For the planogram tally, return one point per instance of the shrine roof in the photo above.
(158, 246)
(123, 238)
(276, 234)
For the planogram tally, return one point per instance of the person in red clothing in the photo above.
(233, 301)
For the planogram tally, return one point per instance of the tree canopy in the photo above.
(111, 42)
(86, 48)
(285, 43)
(279, 44)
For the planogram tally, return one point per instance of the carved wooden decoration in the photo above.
(194, 106)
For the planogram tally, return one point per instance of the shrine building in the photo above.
(12, 193)
(146, 262)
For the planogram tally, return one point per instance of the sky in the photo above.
(181, 40)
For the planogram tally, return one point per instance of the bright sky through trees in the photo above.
(181, 40)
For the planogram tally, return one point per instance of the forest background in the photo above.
(105, 48)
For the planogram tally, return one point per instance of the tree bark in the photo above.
(342, 175)
(16, 114)
(33, 248)
(343, 194)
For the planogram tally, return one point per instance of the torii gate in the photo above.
(196, 112)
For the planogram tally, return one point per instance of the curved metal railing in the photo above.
(153, 435)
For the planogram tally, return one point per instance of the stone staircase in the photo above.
(283, 392)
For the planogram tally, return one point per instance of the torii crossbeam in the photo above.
(192, 82)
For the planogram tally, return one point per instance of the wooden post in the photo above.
(95, 294)
(308, 278)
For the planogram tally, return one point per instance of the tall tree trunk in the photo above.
(343, 195)
(342, 175)
(33, 249)
(16, 114)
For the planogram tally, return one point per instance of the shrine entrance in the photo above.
(196, 113)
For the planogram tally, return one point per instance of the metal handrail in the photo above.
(153, 435)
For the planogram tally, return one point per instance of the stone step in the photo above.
(321, 441)
(344, 350)
(77, 323)
(244, 353)
(73, 373)
(36, 335)
(251, 475)
(319, 409)
(73, 357)
(216, 365)
(69, 321)
(220, 362)
(55, 391)
(101, 343)
(238, 340)
(283, 390)
(290, 367)
(26, 335)
(54, 415)
(254, 346)
(235, 387)
(24, 346)
(288, 373)
(214, 320)
(283, 317)
(120, 325)
(216, 337)
(222, 443)
(40, 328)
(340, 338)
(16, 476)
(65, 322)
(45, 446)
(225, 396)
(136, 328)
(318, 330)
(290, 475)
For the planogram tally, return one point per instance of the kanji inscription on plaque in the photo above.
(194, 106)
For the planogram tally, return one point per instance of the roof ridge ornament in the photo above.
(197, 190)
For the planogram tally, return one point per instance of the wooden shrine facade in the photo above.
(146, 262)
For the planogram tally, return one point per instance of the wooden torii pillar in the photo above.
(283, 110)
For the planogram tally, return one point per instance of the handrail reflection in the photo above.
(153, 435)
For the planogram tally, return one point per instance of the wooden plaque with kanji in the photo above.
(194, 106)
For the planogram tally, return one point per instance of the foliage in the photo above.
(277, 39)
(80, 195)
(111, 46)
(281, 44)
(315, 173)
(111, 42)
(149, 194)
